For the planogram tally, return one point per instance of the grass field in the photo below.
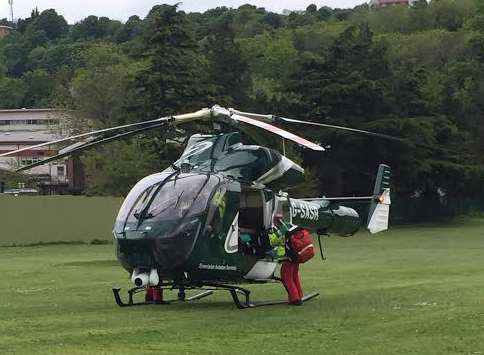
(414, 290)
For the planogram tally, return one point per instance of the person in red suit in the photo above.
(292, 283)
(290, 267)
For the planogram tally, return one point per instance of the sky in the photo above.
(75, 10)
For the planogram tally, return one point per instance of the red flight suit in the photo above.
(290, 280)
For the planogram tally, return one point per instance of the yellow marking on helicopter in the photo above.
(219, 201)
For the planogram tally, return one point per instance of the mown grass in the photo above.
(413, 290)
(27, 220)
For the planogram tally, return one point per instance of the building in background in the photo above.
(28, 127)
(385, 3)
(5, 30)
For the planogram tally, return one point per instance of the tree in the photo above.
(115, 168)
(420, 4)
(168, 82)
(324, 13)
(98, 99)
(415, 72)
(22, 24)
(100, 88)
(92, 28)
(52, 24)
(451, 14)
(227, 70)
(14, 53)
(11, 180)
(130, 30)
(40, 87)
(273, 20)
(348, 81)
(311, 9)
(12, 93)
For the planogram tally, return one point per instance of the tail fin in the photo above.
(380, 205)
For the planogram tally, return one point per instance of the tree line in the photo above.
(411, 72)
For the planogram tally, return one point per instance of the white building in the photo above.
(5, 30)
(27, 127)
(385, 3)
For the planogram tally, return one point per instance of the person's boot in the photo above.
(148, 294)
(157, 295)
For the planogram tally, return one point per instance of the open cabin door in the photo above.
(255, 219)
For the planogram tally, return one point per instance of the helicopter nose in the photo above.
(166, 248)
(172, 250)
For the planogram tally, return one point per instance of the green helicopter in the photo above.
(202, 224)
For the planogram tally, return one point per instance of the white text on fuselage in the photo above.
(305, 211)
(202, 266)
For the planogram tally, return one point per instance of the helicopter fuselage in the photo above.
(206, 218)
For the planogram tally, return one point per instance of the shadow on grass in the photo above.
(462, 221)
(92, 263)
(41, 244)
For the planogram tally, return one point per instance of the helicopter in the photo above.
(202, 224)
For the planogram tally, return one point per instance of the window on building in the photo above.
(24, 161)
(35, 122)
(60, 171)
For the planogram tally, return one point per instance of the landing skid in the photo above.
(306, 298)
(240, 296)
(133, 291)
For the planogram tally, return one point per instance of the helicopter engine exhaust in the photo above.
(143, 279)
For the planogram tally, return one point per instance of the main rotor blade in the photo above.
(177, 119)
(228, 116)
(85, 135)
(273, 118)
(82, 146)
(280, 132)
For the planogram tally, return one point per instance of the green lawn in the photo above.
(414, 290)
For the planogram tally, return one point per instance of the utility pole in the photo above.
(10, 2)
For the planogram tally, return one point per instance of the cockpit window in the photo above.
(244, 163)
(197, 153)
(182, 196)
(139, 193)
(156, 198)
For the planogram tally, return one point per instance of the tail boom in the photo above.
(333, 217)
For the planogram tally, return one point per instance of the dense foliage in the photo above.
(414, 72)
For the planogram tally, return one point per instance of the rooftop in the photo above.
(30, 109)
(384, 3)
(29, 137)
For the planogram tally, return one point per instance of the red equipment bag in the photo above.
(301, 245)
